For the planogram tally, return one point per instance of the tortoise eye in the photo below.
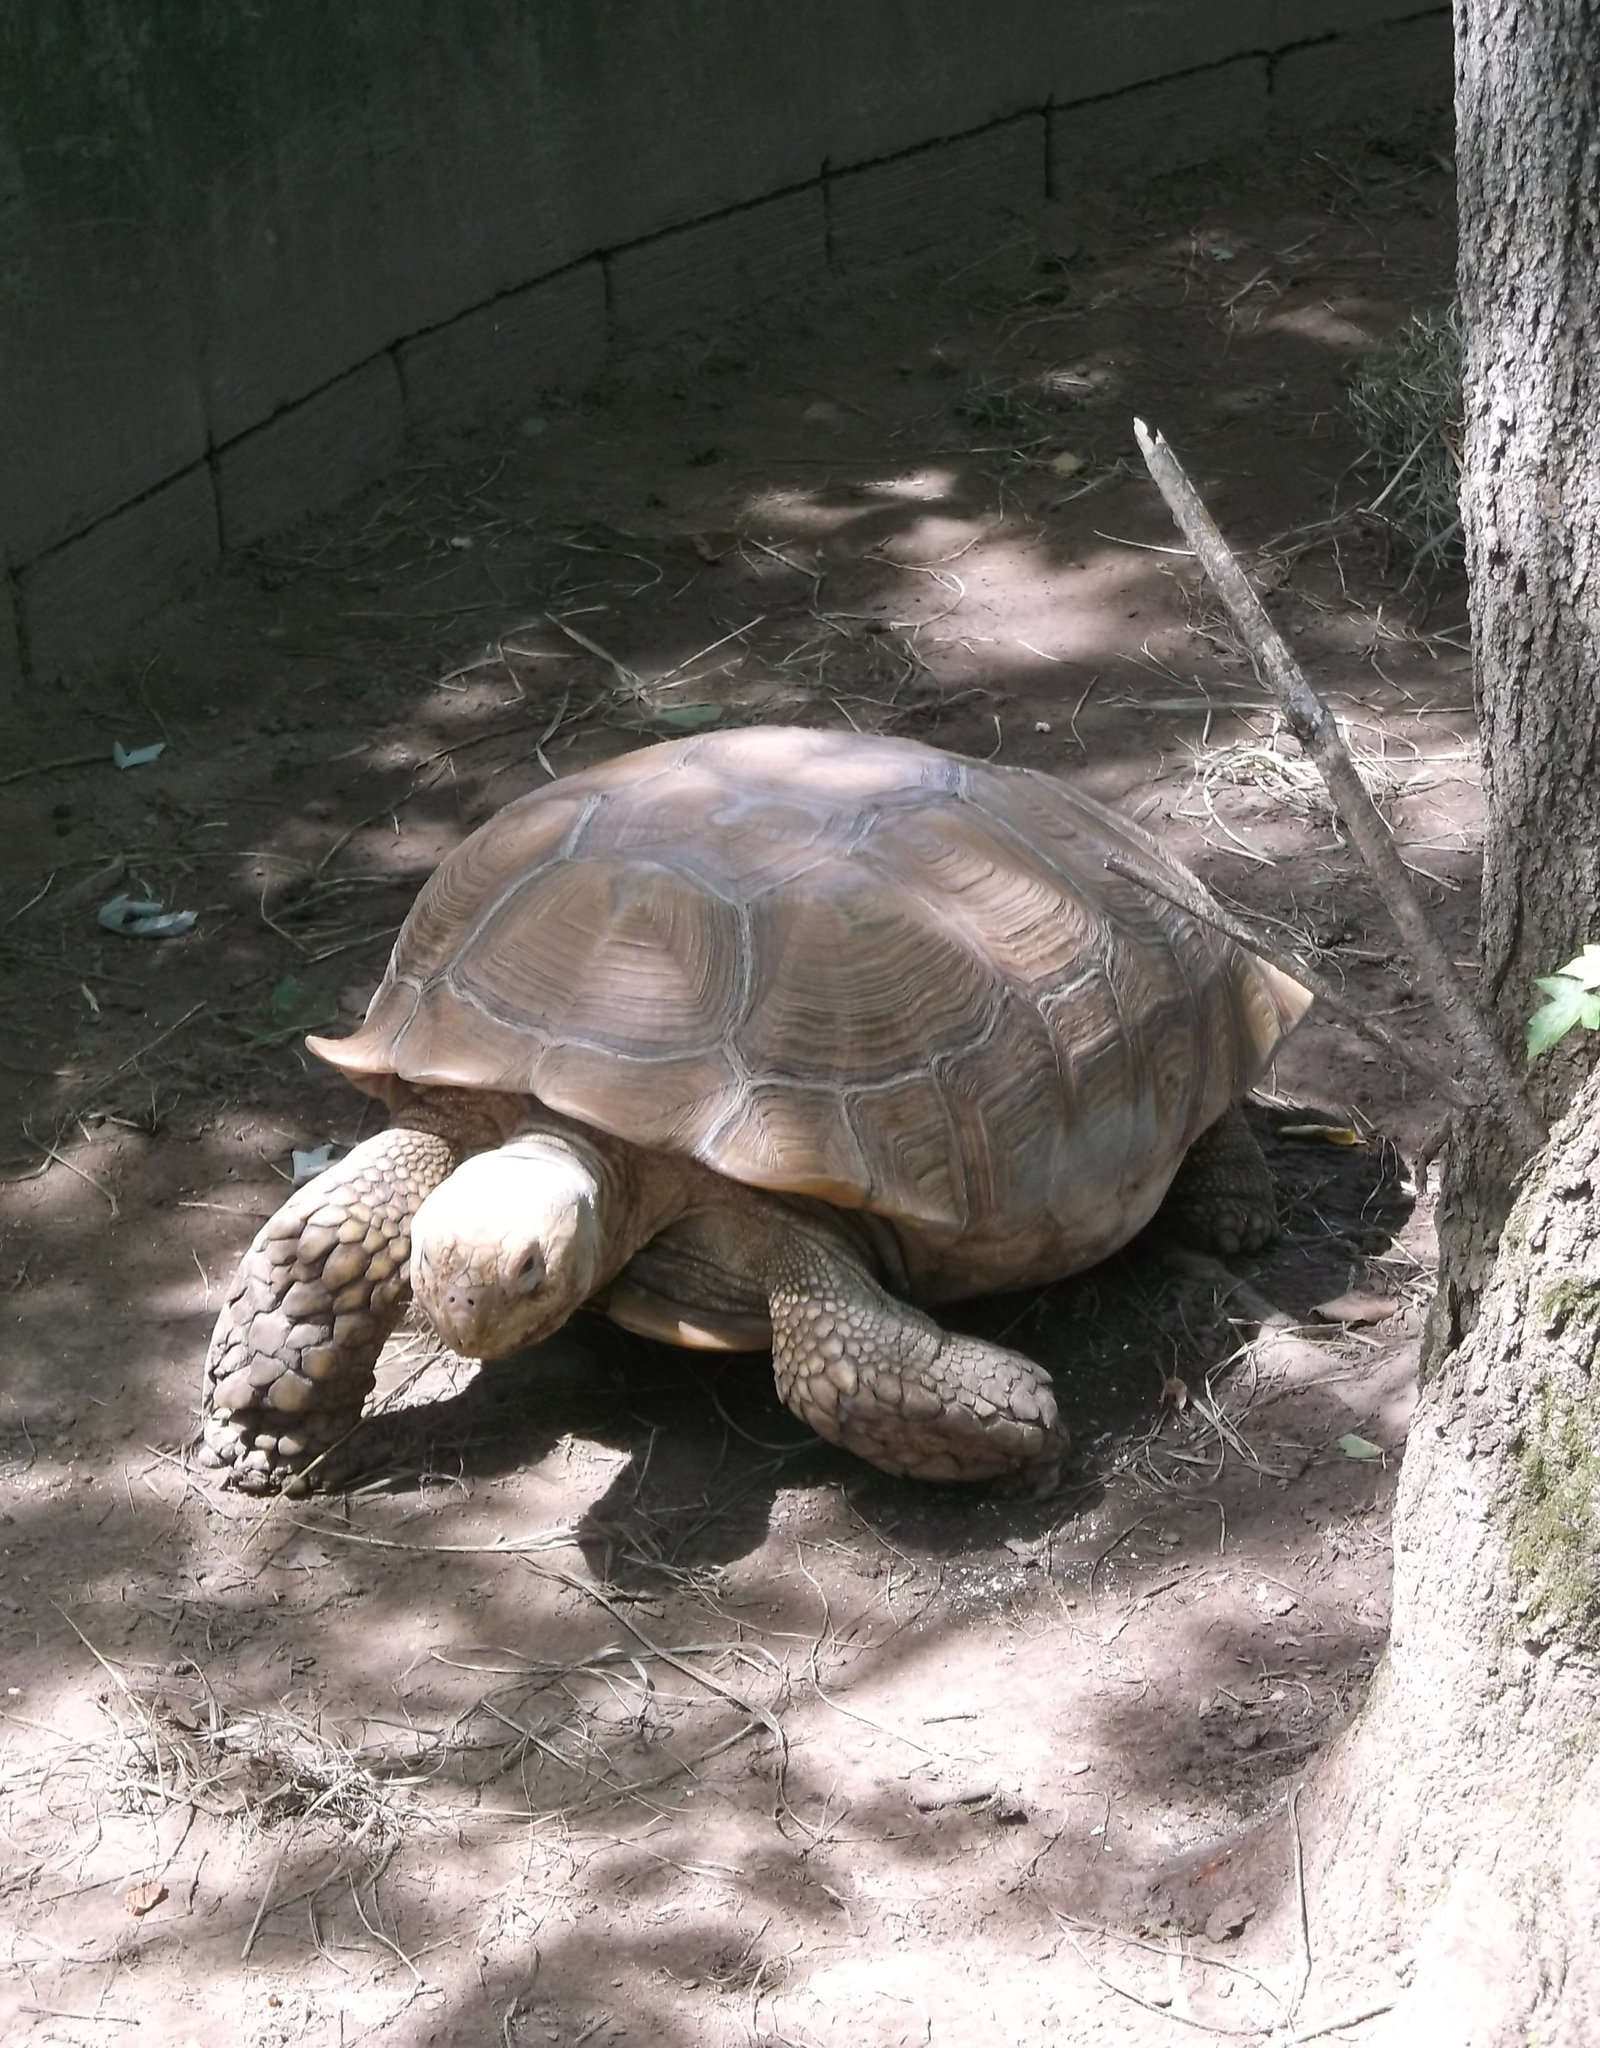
(529, 1276)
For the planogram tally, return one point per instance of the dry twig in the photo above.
(1200, 904)
(64, 762)
(1313, 725)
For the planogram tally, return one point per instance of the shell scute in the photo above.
(628, 954)
(852, 983)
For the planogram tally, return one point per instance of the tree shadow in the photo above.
(374, 688)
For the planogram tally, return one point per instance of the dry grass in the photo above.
(1280, 779)
(1407, 407)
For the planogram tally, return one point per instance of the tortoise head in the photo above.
(508, 1247)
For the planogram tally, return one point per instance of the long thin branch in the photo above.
(64, 761)
(1313, 726)
(1204, 907)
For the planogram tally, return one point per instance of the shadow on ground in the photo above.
(618, 1708)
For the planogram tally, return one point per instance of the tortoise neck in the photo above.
(633, 1193)
(473, 1118)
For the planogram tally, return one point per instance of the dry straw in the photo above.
(1407, 407)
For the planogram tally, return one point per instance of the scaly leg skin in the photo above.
(294, 1351)
(879, 1378)
(1221, 1197)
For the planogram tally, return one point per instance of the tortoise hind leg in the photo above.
(1221, 1197)
(881, 1379)
(295, 1348)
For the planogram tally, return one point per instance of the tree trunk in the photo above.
(1459, 1819)
(1528, 158)
(1457, 1823)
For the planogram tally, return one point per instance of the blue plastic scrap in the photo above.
(136, 757)
(141, 917)
(307, 1165)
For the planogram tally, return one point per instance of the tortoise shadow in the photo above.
(707, 1447)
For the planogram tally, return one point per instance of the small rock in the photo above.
(1230, 1919)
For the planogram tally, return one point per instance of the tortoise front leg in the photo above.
(879, 1378)
(294, 1352)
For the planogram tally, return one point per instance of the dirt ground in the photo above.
(615, 1707)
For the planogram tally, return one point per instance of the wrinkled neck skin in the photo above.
(522, 1235)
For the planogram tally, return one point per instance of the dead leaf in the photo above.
(1357, 1308)
(1175, 1395)
(144, 1898)
(1357, 1447)
(1322, 1134)
(177, 1708)
(703, 548)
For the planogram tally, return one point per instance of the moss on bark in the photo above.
(1554, 1534)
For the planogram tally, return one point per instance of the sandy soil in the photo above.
(615, 1707)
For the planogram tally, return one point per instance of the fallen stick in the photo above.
(1313, 726)
(63, 762)
(1203, 907)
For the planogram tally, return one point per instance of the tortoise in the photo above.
(766, 1037)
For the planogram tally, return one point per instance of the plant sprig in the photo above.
(1573, 994)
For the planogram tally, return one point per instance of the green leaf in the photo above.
(289, 1000)
(988, 409)
(291, 1011)
(1570, 1003)
(1585, 969)
(1358, 1447)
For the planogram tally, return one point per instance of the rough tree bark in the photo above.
(1528, 158)
(1456, 1825)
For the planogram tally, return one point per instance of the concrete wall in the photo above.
(245, 252)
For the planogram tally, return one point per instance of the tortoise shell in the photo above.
(842, 967)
